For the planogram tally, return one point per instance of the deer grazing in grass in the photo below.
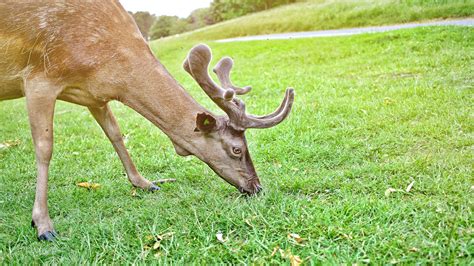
(90, 53)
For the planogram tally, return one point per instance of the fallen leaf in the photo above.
(220, 237)
(282, 253)
(156, 245)
(247, 221)
(388, 101)
(275, 250)
(347, 236)
(410, 186)
(389, 191)
(125, 138)
(296, 237)
(414, 249)
(295, 260)
(88, 185)
(166, 180)
(134, 192)
(165, 236)
(9, 144)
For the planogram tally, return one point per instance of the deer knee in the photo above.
(44, 150)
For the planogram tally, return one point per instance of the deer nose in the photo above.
(257, 189)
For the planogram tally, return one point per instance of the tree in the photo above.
(144, 22)
(162, 27)
(200, 18)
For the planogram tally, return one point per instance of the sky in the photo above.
(180, 8)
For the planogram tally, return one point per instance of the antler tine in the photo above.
(277, 111)
(222, 69)
(276, 117)
(197, 64)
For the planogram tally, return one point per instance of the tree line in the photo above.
(153, 27)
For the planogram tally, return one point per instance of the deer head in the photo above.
(223, 140)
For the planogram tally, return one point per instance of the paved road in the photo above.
(327, 33)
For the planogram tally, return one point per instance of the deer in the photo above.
(90, 53)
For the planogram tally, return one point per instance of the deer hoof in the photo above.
(154, 188)
(49, 236)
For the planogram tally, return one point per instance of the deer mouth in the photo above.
(252, 192)
(254, 187)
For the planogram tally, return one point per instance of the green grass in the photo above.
(372, 112)
(313, 15)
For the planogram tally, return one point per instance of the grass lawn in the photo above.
(372, 112)
(310, 15)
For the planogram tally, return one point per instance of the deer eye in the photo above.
(237, 151)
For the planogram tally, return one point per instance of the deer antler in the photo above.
(197, 64)
(222, 69)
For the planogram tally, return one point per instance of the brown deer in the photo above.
(90, 53)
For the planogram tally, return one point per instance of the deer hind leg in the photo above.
(106, 120)
(40, 99)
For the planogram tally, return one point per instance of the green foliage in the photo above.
(163, 26)
(144, 22)
(200, 18)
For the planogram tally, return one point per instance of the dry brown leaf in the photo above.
(88, 185)
(296, 237)
(9, 144)
(295, 260)
(388, 101)
(414, 249)
(282, 253)
(165, 236)
(347, 236)
(247, 221)
(166, 180)
(275, 250)
(410, 186)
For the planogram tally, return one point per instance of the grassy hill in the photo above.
(374, 114)
(330, 14)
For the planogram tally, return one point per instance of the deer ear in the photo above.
(205, 123)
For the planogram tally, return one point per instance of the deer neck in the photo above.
(163, 101)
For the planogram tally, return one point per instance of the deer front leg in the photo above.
(105, 118)
(40, 100)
